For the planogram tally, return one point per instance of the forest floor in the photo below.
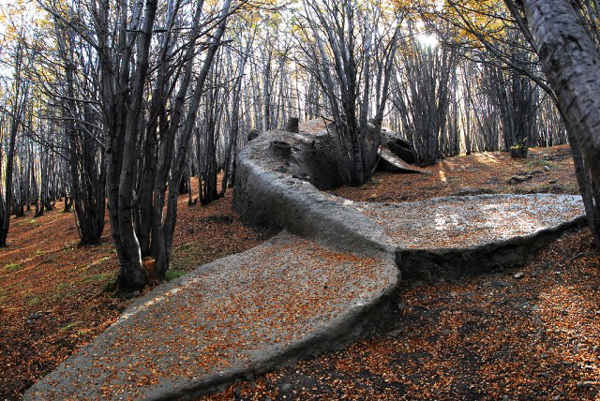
(52, 291)
(494, 336)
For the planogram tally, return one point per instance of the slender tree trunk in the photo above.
(181, 152)
(8, 182)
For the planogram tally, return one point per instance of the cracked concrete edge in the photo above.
(269, 198)
(433, 265)
(342, 330)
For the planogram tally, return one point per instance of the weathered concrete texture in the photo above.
(390, 162)
(277, 181)
(292, 297)
(457, 236)
(471, 221)
(236, 317)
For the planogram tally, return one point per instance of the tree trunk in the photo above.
(179, 162)
(571, 63)
(5, 223)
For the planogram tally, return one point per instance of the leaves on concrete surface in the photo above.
(489, 337)
(54, 303)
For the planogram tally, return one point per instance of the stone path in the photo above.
(298, 294)
(236, 317)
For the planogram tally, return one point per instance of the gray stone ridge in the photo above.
(328, 278)
(440, 238)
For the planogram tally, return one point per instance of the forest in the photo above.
(129, 129)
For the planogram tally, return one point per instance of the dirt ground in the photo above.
(490, 337)
(52, 298)
(525, 333)
(551, 171)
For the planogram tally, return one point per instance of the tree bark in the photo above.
(571, 63)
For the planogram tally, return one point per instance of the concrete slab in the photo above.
(392, 162)
(236, 317)
(468, 222)
(448, 238)
(304, 293)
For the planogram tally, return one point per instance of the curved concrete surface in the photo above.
(434, 239)
(236, 317)
(302, 293)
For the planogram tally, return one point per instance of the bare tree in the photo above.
(81, 127)
(245, 42)
(422, 94)
(151, 80)
(349, 48)
(16, 108)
